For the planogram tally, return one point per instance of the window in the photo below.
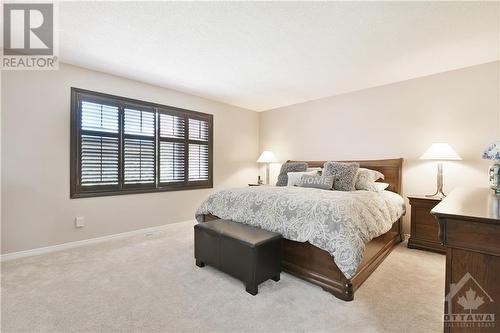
(120, 146)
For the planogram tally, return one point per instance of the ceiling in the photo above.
(264, 55)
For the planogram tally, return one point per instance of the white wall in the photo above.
(398, 120)
(36, 209)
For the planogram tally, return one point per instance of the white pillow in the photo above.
(381, 186)
(366, 178)
(294, 177)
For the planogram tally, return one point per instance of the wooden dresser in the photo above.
(424, 228)
(469, 228)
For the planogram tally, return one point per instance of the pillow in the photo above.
(344, 174)
(289, 167)
(321, 182)
(366, 178)
(294, 177)
(379, 187)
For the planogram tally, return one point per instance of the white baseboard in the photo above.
(90, 241)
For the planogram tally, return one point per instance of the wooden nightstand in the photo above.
(424, 226)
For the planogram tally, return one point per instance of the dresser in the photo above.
(424, 227)
(469, 228)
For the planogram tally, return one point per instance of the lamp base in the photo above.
(439, 192)
(267, 173)
(437, 195)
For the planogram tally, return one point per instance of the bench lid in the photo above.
(253, 236)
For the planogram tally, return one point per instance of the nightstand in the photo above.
(424, 226)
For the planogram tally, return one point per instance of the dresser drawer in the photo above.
(479, 236)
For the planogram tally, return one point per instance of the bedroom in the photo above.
(121, 121)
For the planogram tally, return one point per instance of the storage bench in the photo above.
(249, 254)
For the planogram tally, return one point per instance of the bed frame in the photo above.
(316, 265)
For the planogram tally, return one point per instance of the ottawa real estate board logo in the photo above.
(469, 306)
(29, 41)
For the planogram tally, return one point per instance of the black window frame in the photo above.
(79, 191)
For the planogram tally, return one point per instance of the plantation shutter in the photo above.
(121, 145)
(172, 148)
(99, 144)
(198, 130)
(198, 160)
(139, 147)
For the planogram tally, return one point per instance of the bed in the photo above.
(318, 265)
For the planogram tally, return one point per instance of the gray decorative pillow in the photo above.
(366, 178)
(344, 174)
(321, 182)
(289, 167)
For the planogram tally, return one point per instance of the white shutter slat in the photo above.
(139, 122)
(99, 160)
(171, 162)
(172, 126)
(198, 130)
(198, 162)
(99, 117)
(139, 161)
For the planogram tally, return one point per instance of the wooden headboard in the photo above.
(392, 170)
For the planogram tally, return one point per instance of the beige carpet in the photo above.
(150, 284)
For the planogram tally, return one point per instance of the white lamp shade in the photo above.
(440, 151)
(267, 156)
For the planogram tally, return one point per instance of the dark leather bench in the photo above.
(249, 254)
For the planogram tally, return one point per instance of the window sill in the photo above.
(92, 194)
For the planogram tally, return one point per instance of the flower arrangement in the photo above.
(492, 152)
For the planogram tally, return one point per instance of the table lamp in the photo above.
(267, 157)
(440, 152)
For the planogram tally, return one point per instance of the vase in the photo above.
(495, 177)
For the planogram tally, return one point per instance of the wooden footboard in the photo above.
(317, 266)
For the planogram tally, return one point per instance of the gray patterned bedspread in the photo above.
(335, 221)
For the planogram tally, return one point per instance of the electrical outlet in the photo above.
(79, 222)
